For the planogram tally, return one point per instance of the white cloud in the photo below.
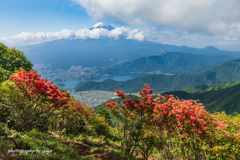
(136, 34)
(153, 35)
(26, 38)
(194, 16)
(235, 38)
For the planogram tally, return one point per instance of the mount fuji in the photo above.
(102, 25)
(104, 51)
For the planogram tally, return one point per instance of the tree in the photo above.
(4, 74)
(12, 59)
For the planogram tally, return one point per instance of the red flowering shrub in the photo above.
(176, 128)
(33, 99)
(30, 84)
(185, 120)
(71, 117)
(134, 114)
(75, 117)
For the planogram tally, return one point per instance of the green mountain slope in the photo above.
(159, 82)
(215, 87)
(224, 72)
(170, 62)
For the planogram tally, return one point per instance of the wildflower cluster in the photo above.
(176, 128)
(32, 86)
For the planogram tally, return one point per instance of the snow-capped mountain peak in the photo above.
(101, 25)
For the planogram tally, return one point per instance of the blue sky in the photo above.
(41, 16)
(179, 22)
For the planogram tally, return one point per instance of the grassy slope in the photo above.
(65, 147)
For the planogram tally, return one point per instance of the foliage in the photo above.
(104, 113)
(4, 74)
(5, 93)
(134, 115)
(217, 100)
(118, 100)
(176, 128)
(69, 118)
(11, 60)
(36, 140)
(32, 100)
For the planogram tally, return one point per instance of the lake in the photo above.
(117, 77)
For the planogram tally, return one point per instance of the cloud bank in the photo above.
(152, 35)
(213, 17)
(26, 38)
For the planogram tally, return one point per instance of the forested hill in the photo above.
(170, 62)
(159, 83)
(224, 72)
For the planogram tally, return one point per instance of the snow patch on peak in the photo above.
(101, 25)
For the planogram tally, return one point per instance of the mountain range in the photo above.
(223, 72)
(188, 67)
(170, 62)
(105, 51)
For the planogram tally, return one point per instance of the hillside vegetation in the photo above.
(12, 59)
(136, 124)
(39, 117)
